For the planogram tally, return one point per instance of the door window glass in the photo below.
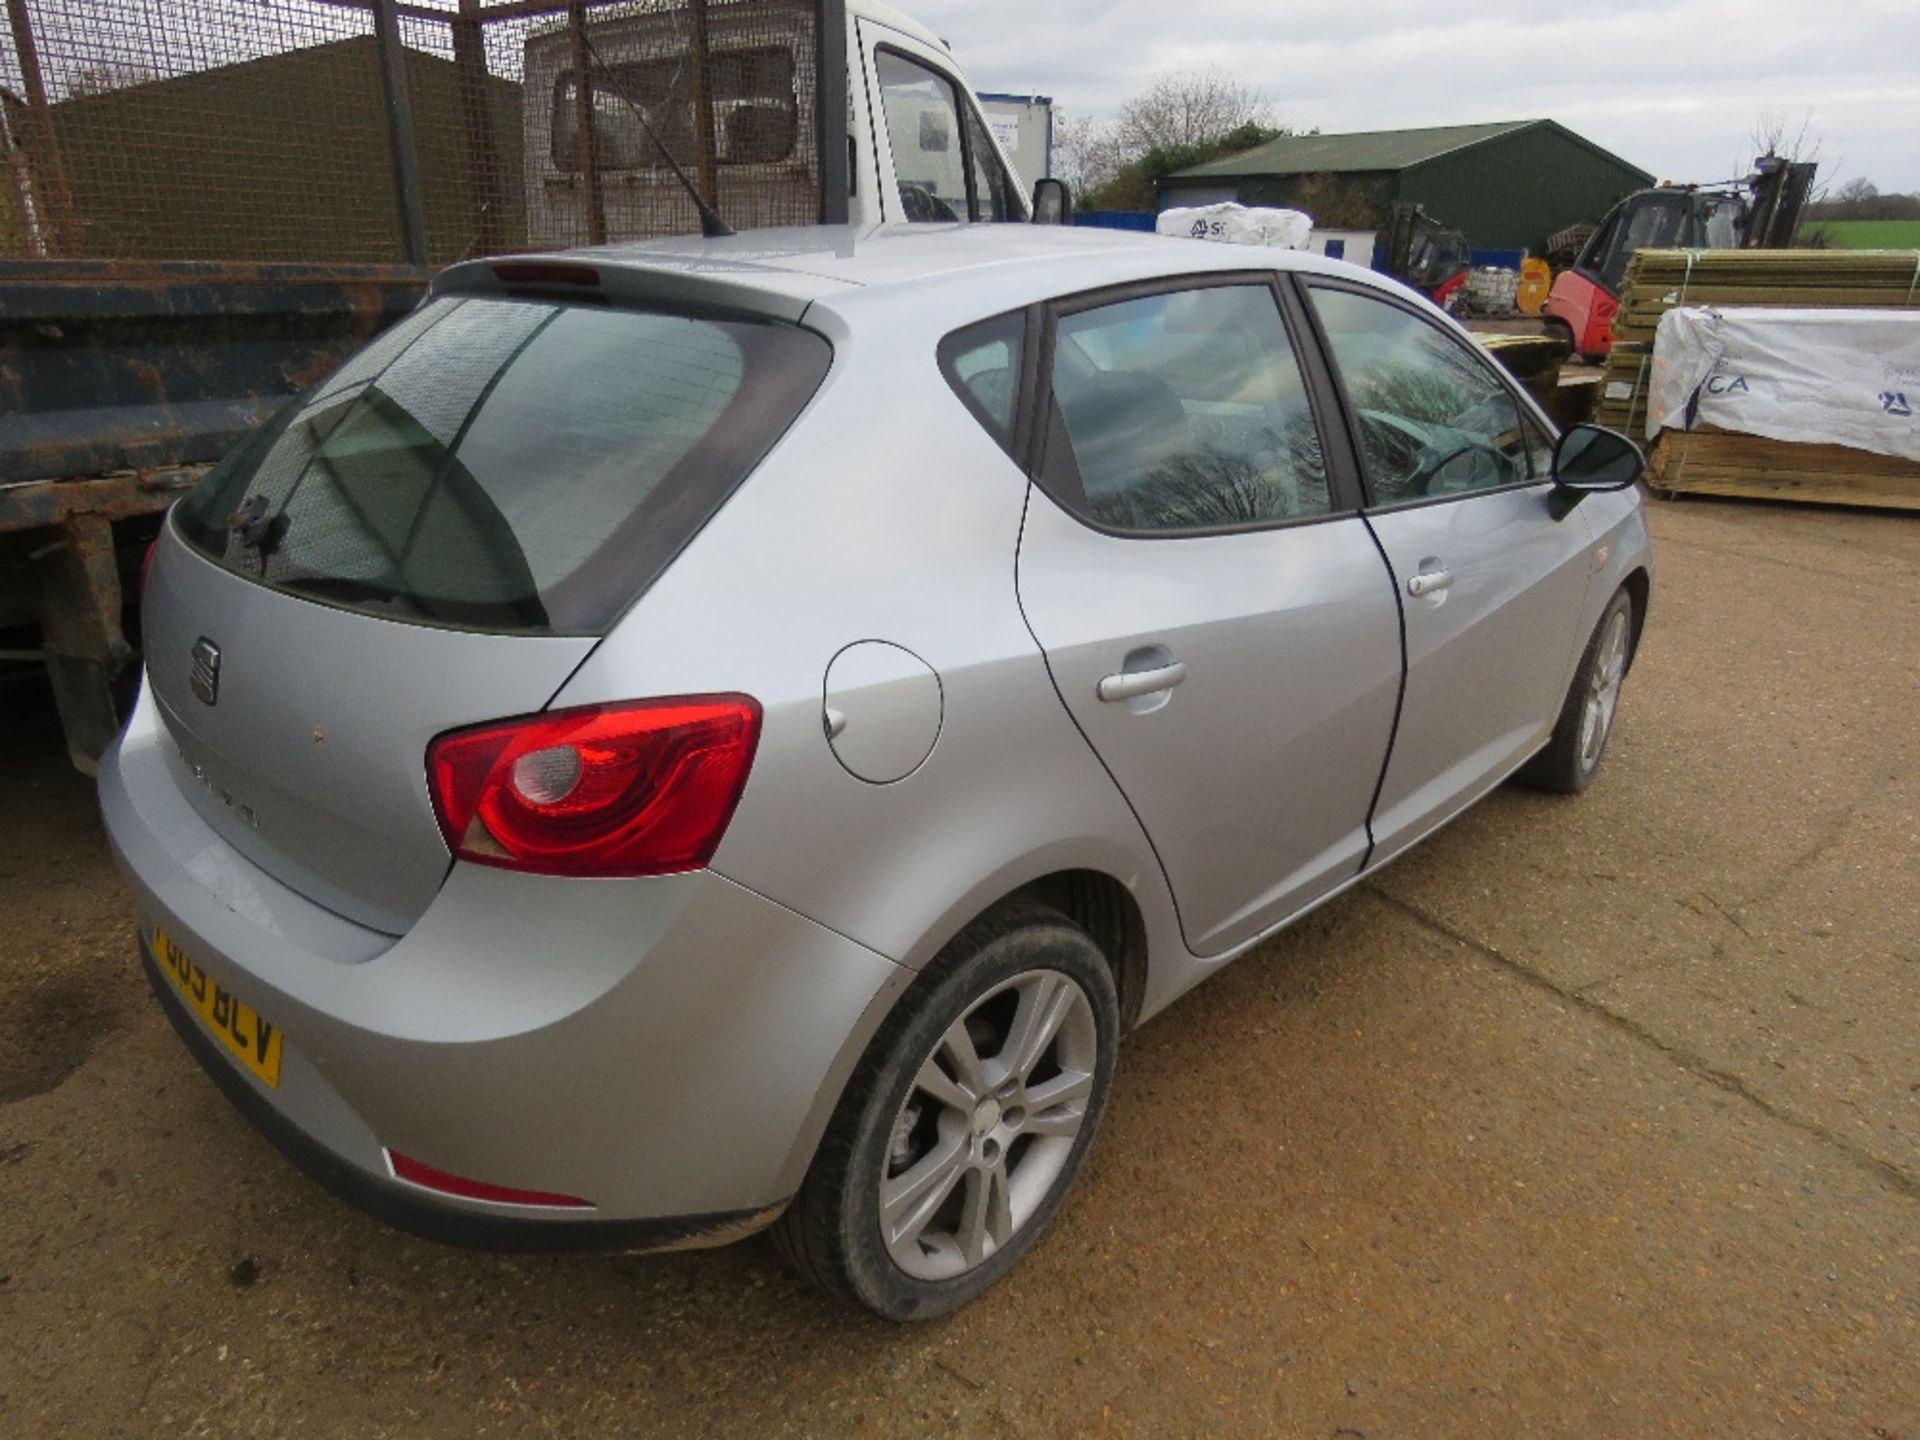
(1434, 420)
(1726, 222)
(923, 122)
(1186, 411)
(992, 186)
(983, 365)
(1656, 224)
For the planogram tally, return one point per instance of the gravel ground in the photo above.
(1593, 1117)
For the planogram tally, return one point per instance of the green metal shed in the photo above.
(1507, 185)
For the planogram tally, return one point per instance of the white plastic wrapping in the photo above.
(1835, 377)
(1237, 225)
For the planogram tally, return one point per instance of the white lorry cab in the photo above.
(778, 112)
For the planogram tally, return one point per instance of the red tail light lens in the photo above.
(416, 1172)
(643, 789)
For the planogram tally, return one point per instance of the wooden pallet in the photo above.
(1708, 461)
(1659, 280)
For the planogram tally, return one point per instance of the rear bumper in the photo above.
(667, 1049)
(417, 1213)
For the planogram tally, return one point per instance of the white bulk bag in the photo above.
(1237, 225)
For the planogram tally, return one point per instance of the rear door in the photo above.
(436, 536)
(1215, 615)
(1492, 580)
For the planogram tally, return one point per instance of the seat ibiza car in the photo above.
(684, 737)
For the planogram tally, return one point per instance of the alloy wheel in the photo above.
(1603, 690)
(988, 1126)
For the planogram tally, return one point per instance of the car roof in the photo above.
(960, 270)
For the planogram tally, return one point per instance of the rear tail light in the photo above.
(642, 789)
(415, 1172)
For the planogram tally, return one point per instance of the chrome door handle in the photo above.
(1132, 684)
(1429, 582)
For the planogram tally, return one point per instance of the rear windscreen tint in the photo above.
(505, 464)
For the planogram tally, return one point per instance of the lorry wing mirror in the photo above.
(1052, 202)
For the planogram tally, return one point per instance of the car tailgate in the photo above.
(310, 757)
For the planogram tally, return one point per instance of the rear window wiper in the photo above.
(259, 527)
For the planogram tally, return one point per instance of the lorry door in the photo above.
(936, 160)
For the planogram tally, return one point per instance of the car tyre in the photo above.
(1571, 758)
(966, 1121)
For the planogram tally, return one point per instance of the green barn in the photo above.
(1507, 185)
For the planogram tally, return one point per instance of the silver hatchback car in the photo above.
(679, 738)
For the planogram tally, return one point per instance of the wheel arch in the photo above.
(1107, 910)
(1131, 935)
(1639, 587)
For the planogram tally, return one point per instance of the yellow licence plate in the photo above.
(237, 1025)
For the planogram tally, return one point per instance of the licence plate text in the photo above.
(254, 1041)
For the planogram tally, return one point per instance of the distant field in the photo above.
(1869, 234)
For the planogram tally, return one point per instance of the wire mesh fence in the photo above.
(339, 131)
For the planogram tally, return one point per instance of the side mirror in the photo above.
(1052, 202)
(1591, 458)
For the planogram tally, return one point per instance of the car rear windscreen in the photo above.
(513, 465)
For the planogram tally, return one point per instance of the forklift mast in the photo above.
(1780, 190)
(1761, 212)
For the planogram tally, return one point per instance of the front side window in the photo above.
(1655, 224)
(519, 466)
(923, 122)
(1434, 420)
(1185, 411)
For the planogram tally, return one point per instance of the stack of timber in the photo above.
(1711, 461)
(1658, 280)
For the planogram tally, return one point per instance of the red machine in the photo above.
(1425, 254)
(1760, 212)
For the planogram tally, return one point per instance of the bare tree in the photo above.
(1178, 109)
(1190, 107)
(1087, 152)
(1775, 133)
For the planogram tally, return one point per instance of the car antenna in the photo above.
(711, 225)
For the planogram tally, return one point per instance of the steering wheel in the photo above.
(1401, 436)
(922, 205)
(1428, 473)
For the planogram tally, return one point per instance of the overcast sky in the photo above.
(1673, 86)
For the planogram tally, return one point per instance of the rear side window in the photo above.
(982, 363)
(512, 465)
(1184, 411)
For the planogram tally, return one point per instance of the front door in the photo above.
(1214, 612)
(1492, 585)
(930, 137)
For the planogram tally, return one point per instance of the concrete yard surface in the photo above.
(1594, 1117)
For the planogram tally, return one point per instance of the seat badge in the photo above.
(205, 672)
